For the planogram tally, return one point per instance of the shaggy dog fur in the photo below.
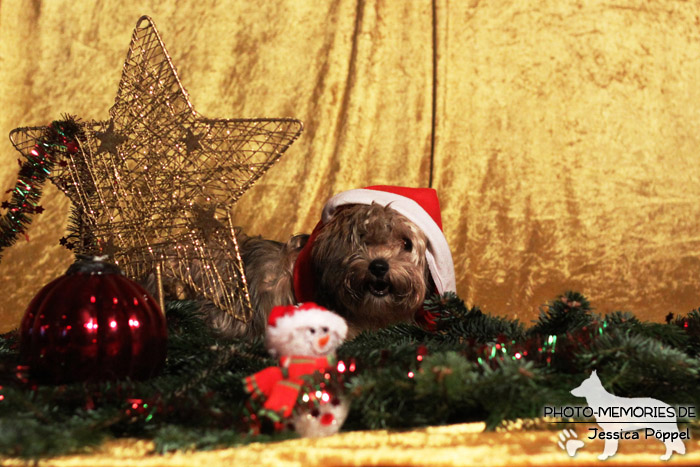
(369, 266)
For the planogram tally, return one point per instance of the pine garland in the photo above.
(473, 367)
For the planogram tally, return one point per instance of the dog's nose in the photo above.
(378, 267)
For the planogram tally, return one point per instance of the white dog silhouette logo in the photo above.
(621, 417)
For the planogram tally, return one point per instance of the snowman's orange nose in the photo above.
(323, 341)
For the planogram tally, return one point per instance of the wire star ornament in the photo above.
(153, 185)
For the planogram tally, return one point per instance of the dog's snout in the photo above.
(379, 267)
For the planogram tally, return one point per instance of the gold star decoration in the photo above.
(156, 182)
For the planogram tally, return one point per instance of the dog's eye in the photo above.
(407, 244)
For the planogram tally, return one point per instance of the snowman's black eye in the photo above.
(325, 330)
(312, 331)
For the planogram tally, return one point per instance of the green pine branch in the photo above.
(472, 367)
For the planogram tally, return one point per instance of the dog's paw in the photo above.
(568, 442)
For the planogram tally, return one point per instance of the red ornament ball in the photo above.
(93, 323)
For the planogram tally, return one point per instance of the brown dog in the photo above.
(374, 257)
(370, 266)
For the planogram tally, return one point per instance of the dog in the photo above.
(376, 255)
(613, 415)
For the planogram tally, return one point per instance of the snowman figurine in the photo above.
(304, 338)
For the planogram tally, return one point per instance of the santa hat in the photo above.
(284, 318)
(419, 205)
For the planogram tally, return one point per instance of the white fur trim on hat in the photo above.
(438, 253)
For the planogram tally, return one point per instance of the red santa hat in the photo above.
(284, 318)
(419, 205)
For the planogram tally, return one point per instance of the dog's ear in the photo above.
(297, 242)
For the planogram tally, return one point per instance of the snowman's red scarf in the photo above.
(305, 286)
(277, 387)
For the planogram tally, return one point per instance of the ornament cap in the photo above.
(93, 265)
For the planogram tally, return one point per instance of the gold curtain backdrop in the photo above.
(564, 133)
(561, 136)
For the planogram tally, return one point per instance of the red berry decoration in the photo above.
(93, 323)
(71, 147)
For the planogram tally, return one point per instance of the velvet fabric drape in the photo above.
(464, 445)
(562, 137)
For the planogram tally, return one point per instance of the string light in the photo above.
(91, 325)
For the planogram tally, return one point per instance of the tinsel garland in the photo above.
(58, 140)
(474, 367)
